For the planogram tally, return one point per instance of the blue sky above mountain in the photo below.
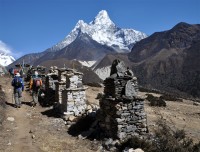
(35, 25)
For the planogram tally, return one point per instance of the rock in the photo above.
(30, 131)
(127, 149)
(138, 150)
(130, 90)
(196, 103)
(33, 136)
(89, 107)
(71, 118)
(109, 141)
(11, 119)
(9, 143)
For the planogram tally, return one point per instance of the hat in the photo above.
(17, 74)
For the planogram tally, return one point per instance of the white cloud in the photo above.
(4, 48)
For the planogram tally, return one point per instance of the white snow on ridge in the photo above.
(6, 59)
(104, 31)
(104, 72)
(87, 63)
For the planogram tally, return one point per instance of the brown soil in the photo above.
(40, 130)
(36, 129)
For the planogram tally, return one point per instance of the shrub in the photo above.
(167, 140)
(164, 139)
(168, 97)
(155, 101)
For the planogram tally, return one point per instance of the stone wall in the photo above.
(70, 93)
(122, 113)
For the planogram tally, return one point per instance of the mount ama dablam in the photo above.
(89, 43)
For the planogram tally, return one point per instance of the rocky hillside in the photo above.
(169, 60)
(89, 77)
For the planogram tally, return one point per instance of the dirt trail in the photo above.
(36, 129)
(21, 139)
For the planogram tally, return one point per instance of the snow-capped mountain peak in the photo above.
(80, 24)
(105, 32)
(102, 18)
(5, 59)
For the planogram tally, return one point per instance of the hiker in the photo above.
(18, 86)
(35, 85)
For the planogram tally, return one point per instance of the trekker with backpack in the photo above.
(35, 85)
(18, 86)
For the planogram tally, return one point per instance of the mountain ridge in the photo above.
(97, 30)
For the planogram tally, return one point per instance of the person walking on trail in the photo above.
(35, 85)
(18, 86)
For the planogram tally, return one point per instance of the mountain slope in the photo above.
(89, 76)
(28, 59)
(84, 48)
(103, 68)
(168, 60)
(5, 59)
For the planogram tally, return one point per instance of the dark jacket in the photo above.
(21, 81)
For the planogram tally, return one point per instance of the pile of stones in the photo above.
(121, 113)
(70, 95)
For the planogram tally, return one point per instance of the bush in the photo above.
(163, 140)
(168, 97)
(155, 101)
(167, 140)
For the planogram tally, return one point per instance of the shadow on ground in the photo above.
(87, 127)
(51, 113)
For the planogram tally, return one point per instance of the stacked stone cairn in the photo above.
(50, 85)
(122, 113)
(70, 94)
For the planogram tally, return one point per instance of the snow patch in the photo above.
(87, 63)
(6, 59)
(104, 72)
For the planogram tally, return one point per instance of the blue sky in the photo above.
(28, 26)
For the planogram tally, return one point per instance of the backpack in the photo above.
(17, 82)
(36, 82)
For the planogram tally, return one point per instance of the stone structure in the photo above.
(50, 88)
(122, 113)
(70, 93)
